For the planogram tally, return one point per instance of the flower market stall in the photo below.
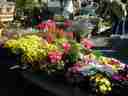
(59, 55)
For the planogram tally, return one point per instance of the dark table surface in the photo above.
(57, 88)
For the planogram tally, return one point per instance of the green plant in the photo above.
(97, 53)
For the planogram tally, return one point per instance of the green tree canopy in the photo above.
(29, 4)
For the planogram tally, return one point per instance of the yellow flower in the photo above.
(103, 60)
(103, 88)
(109, 88)
(92, 56)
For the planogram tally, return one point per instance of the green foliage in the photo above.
(29, 4)
(97, 53)
(60, 41)
(76, 50)
(20, 3)
(51, 68)
(72, 57)
(76, 46)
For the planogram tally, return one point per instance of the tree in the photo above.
(30, 4)
(27, 6)
(20, 3)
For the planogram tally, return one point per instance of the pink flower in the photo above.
(114, 61)
(87, 43)
(39, 17)
(53, 61)
(51, 23)
(41, 26)
(46, 25)
(55, 56)
(66, 46)
(75, 69)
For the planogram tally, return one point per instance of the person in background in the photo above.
(62, 5)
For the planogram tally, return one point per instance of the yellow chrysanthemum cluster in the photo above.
(104, 85)
(32, 47)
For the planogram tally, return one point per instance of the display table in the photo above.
(57, 88)
(60, 88)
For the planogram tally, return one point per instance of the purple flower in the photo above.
(116, 77)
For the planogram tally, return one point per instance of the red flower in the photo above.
(124, 77)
